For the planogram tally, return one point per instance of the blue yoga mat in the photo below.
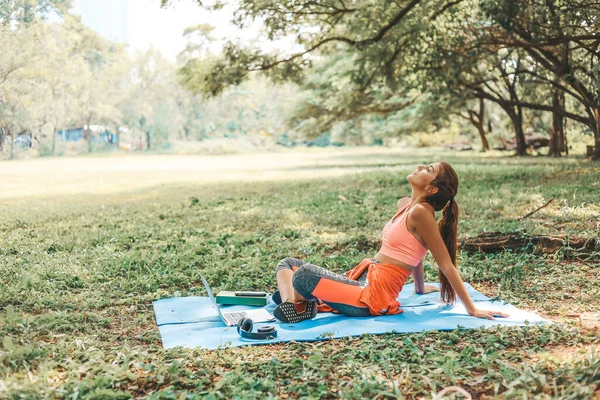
(193, 321)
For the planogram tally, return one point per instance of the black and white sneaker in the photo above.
(287, 312)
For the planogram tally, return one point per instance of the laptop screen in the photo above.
(210, 294)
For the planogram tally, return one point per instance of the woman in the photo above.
(372, 287)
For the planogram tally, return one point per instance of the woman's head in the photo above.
(446, 187)
(440, 184)
(438, 181)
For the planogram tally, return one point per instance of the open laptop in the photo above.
(231, 318)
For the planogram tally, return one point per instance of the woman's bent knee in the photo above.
(305, 280)
(288, 263)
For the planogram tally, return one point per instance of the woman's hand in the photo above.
(487, 314)
(429, 289)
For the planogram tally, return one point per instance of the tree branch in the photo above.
(391, 24)
(357, 43)
(552, 82)
(443, 10)
(533, 106)
(379, 109)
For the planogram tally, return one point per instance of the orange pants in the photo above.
(370, 288)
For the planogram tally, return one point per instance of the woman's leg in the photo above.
(284, 274)
(336, 290)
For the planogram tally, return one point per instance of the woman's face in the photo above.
(424, 174)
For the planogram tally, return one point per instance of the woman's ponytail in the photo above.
(448, 226)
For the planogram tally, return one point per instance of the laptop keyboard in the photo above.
(232, 317)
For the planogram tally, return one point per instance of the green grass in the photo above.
(78, 274)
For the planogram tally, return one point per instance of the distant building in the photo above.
(99, 134)
(110, 18)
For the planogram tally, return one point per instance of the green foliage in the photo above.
(360, 64)
(62, 75)
(367, 71)
(23, 12)
(255, 108)
(354, 112)
(58, 76)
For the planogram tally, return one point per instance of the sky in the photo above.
(143, 23)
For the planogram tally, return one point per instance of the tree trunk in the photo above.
(485, 146)
(148, 143)
(553, 144)
(12, 143)
(565, 138)
(89, 139)
(517, 120)
(596, 154)
(555, 132)
(1, 138)
(87, 134)
(484, 142)
(562, 136)
(520, 136)
(54, 132)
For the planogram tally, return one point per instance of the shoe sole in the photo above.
(286, 312)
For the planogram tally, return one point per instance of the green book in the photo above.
(230, 298)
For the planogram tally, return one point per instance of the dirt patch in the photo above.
(590, 321)
(486, 288)
(562, 354)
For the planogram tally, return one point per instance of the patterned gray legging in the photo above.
(343, 293)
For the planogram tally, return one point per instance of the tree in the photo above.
(477, 118)
(22, 12)
(331, 98)
(64, 68)
(374, 34)
(468, 53)
(101, 83)
(368, 58)
(553, 46)
(562, 38)
(19, 81)
(149, 108)
(53, 75)
(455, 67)
(558, 138)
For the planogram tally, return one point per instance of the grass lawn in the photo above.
(86, 244)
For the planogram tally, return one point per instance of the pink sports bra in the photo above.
(399, 243)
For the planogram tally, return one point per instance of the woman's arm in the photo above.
(419, 278)
(424, 221)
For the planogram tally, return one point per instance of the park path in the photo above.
(22, 179)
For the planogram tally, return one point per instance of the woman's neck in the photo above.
(417, 196)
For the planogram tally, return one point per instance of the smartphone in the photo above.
(250, 294)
